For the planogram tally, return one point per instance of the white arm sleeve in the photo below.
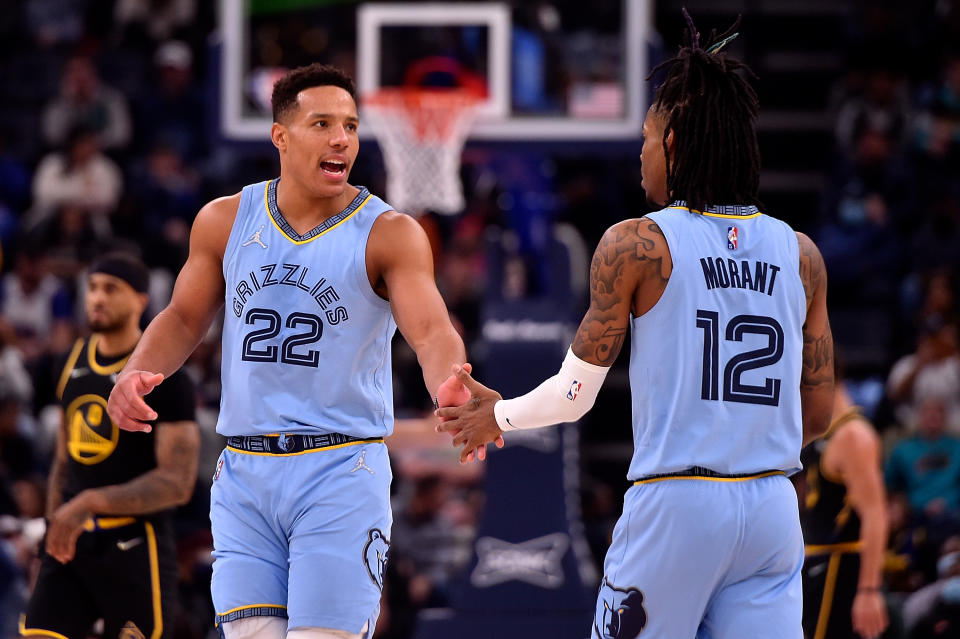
(565, 397)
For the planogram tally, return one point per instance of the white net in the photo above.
(421, 134)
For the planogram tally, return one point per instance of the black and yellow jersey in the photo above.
(826, 515)
(98, 452)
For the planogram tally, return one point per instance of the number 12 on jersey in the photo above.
(734, 389)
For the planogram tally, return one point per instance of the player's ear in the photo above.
(671, 143)
(144, 300)
(278, 135)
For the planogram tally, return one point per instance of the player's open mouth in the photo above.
(333, 168)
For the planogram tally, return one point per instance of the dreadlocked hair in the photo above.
(712, 111)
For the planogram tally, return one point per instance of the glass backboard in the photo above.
(556, 70)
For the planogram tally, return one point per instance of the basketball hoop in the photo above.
(421, 132)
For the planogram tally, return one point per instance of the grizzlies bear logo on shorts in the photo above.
(620, 613)
(375, 555)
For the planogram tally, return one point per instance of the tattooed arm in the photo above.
(816, 378)
(632, 263)
(169, 484)
(629, 272)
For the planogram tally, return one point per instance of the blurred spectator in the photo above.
(923, 608)
(167, 194)
(931, 373)
(14, 176)
(936, 235)
(171, 111)
(18, 458)
(461, 280)
(85, 101)
(81, 176)
(925, 468)
(36, 305)
(905, 547)
(942, 618)
(11, 572)
(158, 19)
(55, 22)
(14, 377)
(72, 237)
(872, 164)
(432, 541)
(882, 106)
(941, 297)
(862, 250)
(938, 126)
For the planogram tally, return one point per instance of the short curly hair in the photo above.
(286, 89)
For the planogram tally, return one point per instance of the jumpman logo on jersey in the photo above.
(255, 238)
(362, 463)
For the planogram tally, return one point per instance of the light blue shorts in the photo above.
(302, 536)
(706, 558)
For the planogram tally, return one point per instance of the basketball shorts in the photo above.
(830, 577)
(712, 558)
(301, 535)
(123, 572)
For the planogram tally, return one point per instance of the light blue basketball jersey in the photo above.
(715, 364)
(306, 340)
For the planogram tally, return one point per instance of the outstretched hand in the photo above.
(126, 406)
(472, 423)
(452, 392)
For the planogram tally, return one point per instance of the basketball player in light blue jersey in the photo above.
(730, 371)
(314, 275)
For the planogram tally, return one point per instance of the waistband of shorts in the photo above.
(285, 445)
(812, 550)
(107, 523)
(699, 472)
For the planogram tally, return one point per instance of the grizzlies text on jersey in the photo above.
(306, 340)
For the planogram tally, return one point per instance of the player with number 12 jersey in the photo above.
(722, 343)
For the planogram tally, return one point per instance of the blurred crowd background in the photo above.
(109, 140)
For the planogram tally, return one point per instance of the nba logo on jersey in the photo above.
(574, 390)
(732, 238)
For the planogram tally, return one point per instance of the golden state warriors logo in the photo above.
(91, 434)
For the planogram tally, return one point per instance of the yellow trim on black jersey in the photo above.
(845, 417)
(848, 415)
(304, 452)
(154, 581)
(107, 523)
(37, 632)
(745, 478)
(840, 548)
(92, 359)
(68, 367)
(723, 215)
(266, 204)
(826, 603)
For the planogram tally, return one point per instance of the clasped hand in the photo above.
(466, 412)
